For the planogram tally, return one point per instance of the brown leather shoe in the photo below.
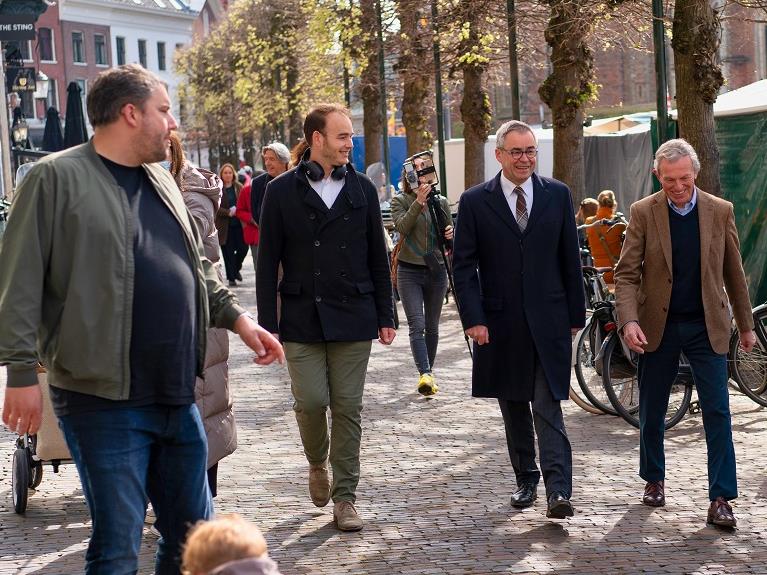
(653, 494)
(319, 484)
(720, 513)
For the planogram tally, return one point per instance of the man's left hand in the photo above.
(386, 335)
(747, 340)
(268, 349)
(449, 233)
(574, 331)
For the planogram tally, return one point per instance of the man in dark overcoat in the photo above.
(519, 286)
(321, 221)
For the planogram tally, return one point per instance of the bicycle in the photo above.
(749, 369)
(588, 342)
(621, 384)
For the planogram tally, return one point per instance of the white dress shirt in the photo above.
(328, 189)
(508, 190)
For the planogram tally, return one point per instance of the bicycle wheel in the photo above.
(583, 403)
(749, 369)
(589, 377)
(619, 377)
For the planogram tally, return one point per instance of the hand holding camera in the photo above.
(422, 193)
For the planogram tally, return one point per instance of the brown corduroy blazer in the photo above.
(643, 276)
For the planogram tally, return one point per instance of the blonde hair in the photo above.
(213, 543)
(606, 198)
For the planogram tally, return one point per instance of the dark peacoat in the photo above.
(526, 287)
(335, 284)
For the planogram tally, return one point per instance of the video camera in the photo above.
(419, 169)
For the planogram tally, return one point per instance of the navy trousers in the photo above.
(657, 371)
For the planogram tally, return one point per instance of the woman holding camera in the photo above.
(421, 274)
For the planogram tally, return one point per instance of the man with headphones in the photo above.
(322, 222)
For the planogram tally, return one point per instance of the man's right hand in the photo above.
(634, 337)
(479, 334)
(23, 409)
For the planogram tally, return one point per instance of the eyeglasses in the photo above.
(516, 153)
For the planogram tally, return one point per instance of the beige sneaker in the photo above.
(319, 484)
(346, 517)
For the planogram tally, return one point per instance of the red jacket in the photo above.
(249, 228)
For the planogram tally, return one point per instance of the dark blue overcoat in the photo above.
(526, 287)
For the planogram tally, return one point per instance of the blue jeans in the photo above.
(657, 371)
(127, 455)
(422, 296)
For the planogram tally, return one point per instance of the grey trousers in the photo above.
(547, 423)
(323, 375)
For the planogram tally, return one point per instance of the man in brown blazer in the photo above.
(680, 254)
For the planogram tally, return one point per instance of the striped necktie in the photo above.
(521, 208)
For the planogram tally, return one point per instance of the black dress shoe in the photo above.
(559, 507)
(238, 277)
(654, 494)
(232, 283)
(525, 495)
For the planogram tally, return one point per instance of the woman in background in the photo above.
(421, 275)
(230, 236)
(201, 191)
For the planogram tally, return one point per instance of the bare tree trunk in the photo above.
(568, 88)
(476, 112)
(248, 150)
(295, 118)
(696, 35)
(416, 68)
(370, 88)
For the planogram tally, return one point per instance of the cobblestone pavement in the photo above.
(435, 487)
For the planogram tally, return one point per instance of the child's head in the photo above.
(213, 543)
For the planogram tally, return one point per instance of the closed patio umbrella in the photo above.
(53, 139)
(75, 132)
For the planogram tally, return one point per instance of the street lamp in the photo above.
(20, 132)
(41, 86)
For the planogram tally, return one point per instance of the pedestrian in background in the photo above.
(123, 296)
(230, 236)
(276, 157)
(679, 271)
(421, 274)
(518, 280)
(588, 208)
(605, 247)
(322, 222)
(201, 191)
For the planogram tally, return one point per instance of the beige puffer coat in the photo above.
(201, 191)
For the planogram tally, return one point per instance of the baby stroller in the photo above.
(47, 447)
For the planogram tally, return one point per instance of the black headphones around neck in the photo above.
(315, 172)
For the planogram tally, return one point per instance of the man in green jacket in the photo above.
(106, 283)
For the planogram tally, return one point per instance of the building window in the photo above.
(27, 104)
(18, 49)
(161, 55)
(83, 87)
(78, 50)
(142, 52)
(45, 44)
(53, 96)
(100, 49)
(120, 45)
